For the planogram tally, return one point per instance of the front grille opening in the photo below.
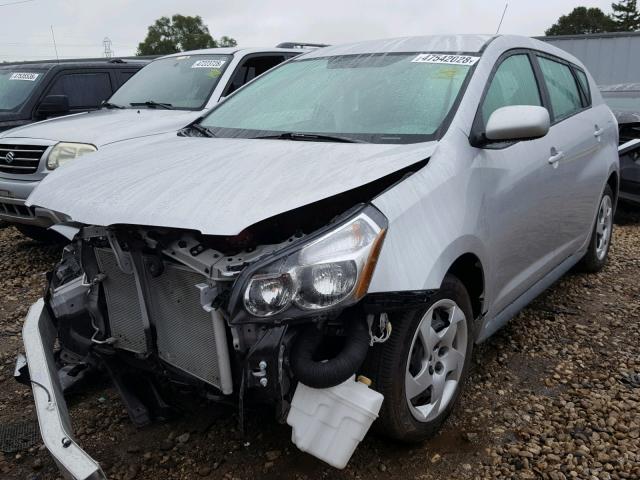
(17, 210)
(20, 159)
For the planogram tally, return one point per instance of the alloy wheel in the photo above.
(436, 360)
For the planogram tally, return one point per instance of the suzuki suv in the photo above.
(332, 239)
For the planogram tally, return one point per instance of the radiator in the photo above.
(185, 333)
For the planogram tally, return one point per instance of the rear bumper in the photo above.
(39, 335)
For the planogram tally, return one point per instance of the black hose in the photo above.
(334, 371)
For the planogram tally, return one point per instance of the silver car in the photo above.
(361, 215)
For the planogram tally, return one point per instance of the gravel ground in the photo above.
(550, 396)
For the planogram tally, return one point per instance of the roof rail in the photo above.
(301, 45)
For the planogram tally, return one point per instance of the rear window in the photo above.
(562, 87)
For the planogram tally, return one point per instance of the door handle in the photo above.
(555, 157)
(598, 132)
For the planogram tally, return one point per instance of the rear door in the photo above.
(576, 138)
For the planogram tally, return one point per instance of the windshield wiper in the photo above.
(110, 105)
(309, 137)
(152, 104)
(204, 131)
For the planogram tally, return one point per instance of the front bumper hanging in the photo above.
(39, 335)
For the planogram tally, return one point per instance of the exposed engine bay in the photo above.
(223, 317)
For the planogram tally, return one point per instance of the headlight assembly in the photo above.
(63, 152)
(330, 269)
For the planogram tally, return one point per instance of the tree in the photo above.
(583, 20)
(179, 33)
(626, 15)
(227, 42)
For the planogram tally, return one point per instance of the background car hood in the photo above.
(105, 126)
(214, 185)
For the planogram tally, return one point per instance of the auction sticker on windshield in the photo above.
(29, 77)
(208, 64)
(446, 59)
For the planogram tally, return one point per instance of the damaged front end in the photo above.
(231, 318)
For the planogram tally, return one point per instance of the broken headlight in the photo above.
(329, 269)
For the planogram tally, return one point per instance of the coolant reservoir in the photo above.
(329, 423)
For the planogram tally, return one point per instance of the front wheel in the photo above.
(598, 251)
(421, 368)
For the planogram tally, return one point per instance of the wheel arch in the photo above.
(469, 270)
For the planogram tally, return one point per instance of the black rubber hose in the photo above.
(334, 371)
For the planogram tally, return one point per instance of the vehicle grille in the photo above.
(184, 331)
(16, 210)
(20, 159)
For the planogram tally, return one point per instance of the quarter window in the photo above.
(584, 83)
(562, 87)
(513, 83)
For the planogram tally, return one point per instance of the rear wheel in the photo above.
(596, 256)
(421, 368)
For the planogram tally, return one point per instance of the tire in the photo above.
(598, 252)
(39, 234)
(387, 364)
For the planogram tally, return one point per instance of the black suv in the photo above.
(38, 90)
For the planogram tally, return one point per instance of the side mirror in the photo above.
(53, 105)
(517, 122)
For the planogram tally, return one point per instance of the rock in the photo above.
(436, 458)
(184, 438)
(273, 455)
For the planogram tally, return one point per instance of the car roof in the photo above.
(426, 43)
(80, 63)
(234, 50)
(467, 43)
(621, 87)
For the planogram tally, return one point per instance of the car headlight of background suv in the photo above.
(332, 269)
(64, 152)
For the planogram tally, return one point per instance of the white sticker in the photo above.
(208, 64)
(30, 77)
(446, 59)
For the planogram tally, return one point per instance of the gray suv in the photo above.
(340, 232)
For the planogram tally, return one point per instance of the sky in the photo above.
(80, 26)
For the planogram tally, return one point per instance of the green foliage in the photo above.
(583, 20)
(177, 34)
(626, 15)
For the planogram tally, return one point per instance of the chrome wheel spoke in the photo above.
(414, 386)
(453, 361)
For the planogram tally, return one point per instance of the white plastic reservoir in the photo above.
(330, 423)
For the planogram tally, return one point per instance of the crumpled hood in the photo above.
(214, 185)
(105, 126)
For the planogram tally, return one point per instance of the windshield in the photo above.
(379, 98)
(184, 82)
(623, 101)
(16, 86)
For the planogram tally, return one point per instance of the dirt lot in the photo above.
(550, 396)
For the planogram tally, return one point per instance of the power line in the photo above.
(16, 3)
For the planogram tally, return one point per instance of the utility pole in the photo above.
(108, 52)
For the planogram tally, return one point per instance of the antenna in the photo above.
(55, 47)
(108, 51)
(506, 5)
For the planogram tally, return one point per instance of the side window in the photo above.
(562, 87)
(513, 83)
(250, 69)
(584, 84)
(84, 90)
